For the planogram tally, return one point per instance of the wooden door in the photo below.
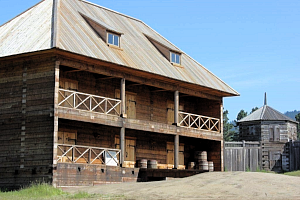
(68, 85)
(181, 154)
(170, 153)
(130, 145)
(170, 110)
(130, 150)
(66, 138)
(130, 106)
(130, 103)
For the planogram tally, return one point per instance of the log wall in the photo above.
(26, 121)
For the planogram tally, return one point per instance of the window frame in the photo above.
(114, 36)
(175, 54)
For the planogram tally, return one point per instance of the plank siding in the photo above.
(26, 124)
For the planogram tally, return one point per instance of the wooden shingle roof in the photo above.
(62, 24)
(266, 113)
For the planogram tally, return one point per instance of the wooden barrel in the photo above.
(201, 156)
(191, 165)
(142, 163)
(152, 164)
(203, 165)
(210, 166)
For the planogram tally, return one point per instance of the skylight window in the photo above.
(175, 58)
(113, 39)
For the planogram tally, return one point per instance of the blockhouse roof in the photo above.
(266, 113)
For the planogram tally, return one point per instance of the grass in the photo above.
(45, 191)
(294, 173)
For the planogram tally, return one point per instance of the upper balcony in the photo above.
(104, 110)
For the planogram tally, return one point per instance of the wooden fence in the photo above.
(294, 155)
(245, 155)
(242, 156)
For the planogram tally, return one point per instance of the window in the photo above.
(113, 39)
(175, 58)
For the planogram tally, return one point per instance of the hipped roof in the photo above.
(60, 24)
(266, 113)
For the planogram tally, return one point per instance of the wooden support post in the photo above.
(221, 131)
(123, 98)
(176, 107)
(176, 151)
(55, 132)
(122, 146)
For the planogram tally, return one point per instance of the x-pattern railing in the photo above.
(201, 122)
(87, 154)
(88, 102)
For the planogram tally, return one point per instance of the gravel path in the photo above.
(215, 185)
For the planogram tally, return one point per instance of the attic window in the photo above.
(175, 58)
(113, 39)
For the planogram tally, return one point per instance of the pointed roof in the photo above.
(65, 25)
(266, 113)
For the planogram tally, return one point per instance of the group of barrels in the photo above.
(202, 163)
(150, 164)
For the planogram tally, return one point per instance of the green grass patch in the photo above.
(45, 191)
(294, 173)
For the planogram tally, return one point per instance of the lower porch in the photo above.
(89, 154)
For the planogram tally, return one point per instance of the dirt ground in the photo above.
(213, 185)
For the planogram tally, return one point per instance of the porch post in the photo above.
(176, 151)
(123, 114)
(176, 107)
(221, 131)
(123, 98)
(176, 139)
(122, 145)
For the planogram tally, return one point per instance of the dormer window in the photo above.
(113, 39)
(175, 58)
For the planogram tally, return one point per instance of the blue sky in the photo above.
(253, 46)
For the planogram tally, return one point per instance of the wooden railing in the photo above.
(87, 155)
(201, 122)
(88, 102)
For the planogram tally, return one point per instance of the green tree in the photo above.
(228, 134)
(241, 115)
(298, 120)
(254, 109)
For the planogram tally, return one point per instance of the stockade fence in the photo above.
(254, 155)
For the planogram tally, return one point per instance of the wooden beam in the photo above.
(75, 70)
(159, 90)
(134, 84)
(105, 78)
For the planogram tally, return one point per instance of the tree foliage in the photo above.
(298, 120)
(254, 109)
(241, 115)
(228, 133)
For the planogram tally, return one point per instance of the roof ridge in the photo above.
(54, 21)
(263, 112)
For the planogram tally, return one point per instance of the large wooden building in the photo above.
(274, 130)
(86, 92)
